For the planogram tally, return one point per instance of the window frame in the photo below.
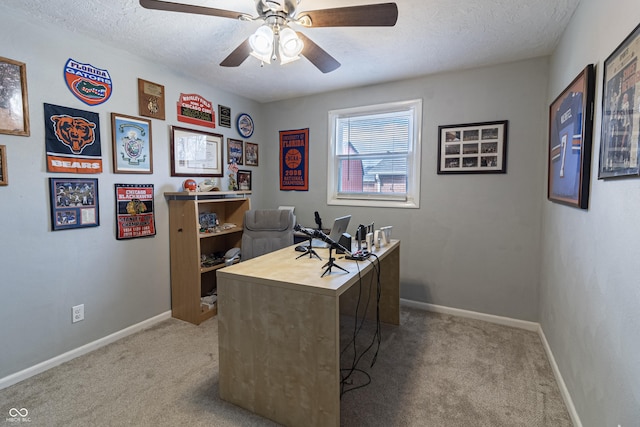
(412, 199)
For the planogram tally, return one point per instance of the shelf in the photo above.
(212, 268)
(220, 233)
(204, 195)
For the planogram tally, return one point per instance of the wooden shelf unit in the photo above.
(189, 280)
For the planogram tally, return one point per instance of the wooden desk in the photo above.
(279, 330)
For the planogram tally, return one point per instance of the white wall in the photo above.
(474, 242)
(590, 276)
(44, 273)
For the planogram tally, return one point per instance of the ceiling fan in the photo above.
(275, 39)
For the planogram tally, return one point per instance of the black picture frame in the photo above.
(473, 148)
(570, 140)
(244, 180)
(620, 129)
(74, 203)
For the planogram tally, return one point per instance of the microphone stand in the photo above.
(331, 263)
(309, 251)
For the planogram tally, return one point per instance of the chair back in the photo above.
(266, 230)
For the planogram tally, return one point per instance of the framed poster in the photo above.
(473, 148)
(620, 137)
(294, 159)
(132, 150)
(250, 154)
(4, 177)
(244, 180)
(195, 153)
(74, 203)
(14, 106)
(570, 134)
(234, 151)
(134, 211)
(151, 99)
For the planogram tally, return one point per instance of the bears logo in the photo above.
(74, 132)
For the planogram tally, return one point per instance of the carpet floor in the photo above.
(432, 370)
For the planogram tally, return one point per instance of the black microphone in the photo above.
(318, 220)
(321, 236)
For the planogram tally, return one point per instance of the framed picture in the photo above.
(151, 99)
(473, 148)
(14, 105)
(244, 180)
(195, 152)
(570, 134)
(134, 211)
(132, 149)
(250, 154)
(234, 151)
(74, 203)
(224, 116)
(620, 137)
(4, 177)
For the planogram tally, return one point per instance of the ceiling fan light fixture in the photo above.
(261, 41)
(290, 45)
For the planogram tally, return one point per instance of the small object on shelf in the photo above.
(208, 185)
(189, 185)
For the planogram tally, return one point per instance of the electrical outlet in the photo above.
(77, 313)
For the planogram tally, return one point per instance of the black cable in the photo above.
(376, 337)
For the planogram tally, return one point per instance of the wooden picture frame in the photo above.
(151, 99)
(473, 148)
(196, 153)
(250, 154)
(620, 137)
(74, 203)
(570, 138)
(244, 180)
(132, 144)
(14, 115)
(235, 151)
(4, 177)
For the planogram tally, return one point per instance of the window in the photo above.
(374, 155)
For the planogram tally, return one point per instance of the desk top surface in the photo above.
(282, 269)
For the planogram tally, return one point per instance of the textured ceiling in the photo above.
(431, 36)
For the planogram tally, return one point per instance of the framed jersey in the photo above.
(570, 135)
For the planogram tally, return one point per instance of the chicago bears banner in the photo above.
(134, 211)
(72, 139)
(294, 159)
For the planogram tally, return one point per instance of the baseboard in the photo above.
(87, 348)
(521, 324)
(506, 321)
(564, 391)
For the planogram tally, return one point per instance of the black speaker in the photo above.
(345, 240)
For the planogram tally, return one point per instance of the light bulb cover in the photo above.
(262, 41)
(290, 44)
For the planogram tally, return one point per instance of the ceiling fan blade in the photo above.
(318, 56)
(189, 8)
(238, 56)
(372, 15)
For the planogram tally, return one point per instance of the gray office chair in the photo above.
(266, 230)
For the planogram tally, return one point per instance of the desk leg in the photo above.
(279, 352)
